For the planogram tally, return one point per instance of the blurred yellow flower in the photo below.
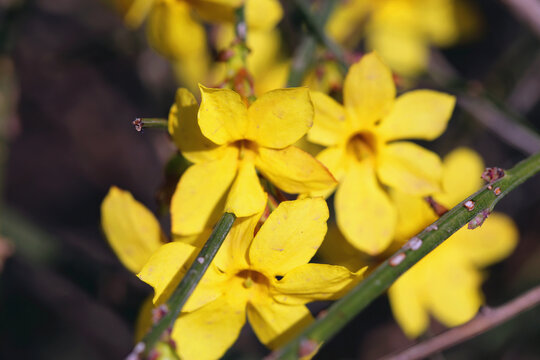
(447, 283)
(227, 140)
(401, 31)
(266, 276)
(175, 30)
(363, 150)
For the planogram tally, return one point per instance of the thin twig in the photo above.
(344, 310)
(305, 53)
(314, 26)
(526, 92)
(527, 11)
(480, 324)
(504, 123)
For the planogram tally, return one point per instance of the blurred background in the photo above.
(73, 78)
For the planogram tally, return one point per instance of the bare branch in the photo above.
(485, 321)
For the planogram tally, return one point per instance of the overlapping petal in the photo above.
(280, 117)
(166, 267)
(364, 212)
(195, 204)
(222, 115)
(185, 132)
(293, 170)
(289, 237)
(311, 282)
(233, 254)
(419, 114)
(329, 122)
(410, 168)
(276, 323)
(207, 333)
(368, 91)
(131, 229)
(246, 196)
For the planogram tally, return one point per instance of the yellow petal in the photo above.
(216, 10)
(135, 12)
(311, 282)
(439, 21)
(335, 159)
(213, 284)
(407, 306)
(185, 131)
(364, 213)
(165, 269)
(335, 249)
(293, 170)
(461, 176)
(205, 334)
(172, 31)
(454, 295)
(144, 319)
(329, 120)
(280, 117)
(233, 254)
(410, 168)
(346, 21)
(405, 50)
(420, 114)
(197, 240)
(368, 91)
(199, 198)
(290, 236)
(263, 14)
(275, 324)
(222, 115)
(131, 229)
(492, 242)
(246, 196)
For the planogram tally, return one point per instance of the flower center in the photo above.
(253, 279)
(362, 145)
(245, 148)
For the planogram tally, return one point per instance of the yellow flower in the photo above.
(401, 31)
(227, 141)
(363, 150)
(266, 276)
(447, 283)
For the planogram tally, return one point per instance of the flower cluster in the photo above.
(245, 159)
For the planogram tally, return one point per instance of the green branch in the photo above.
(316, 27)
(344, 310)
(305, 54)
(187, 285)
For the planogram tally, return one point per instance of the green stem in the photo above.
(341, 312)
(188, 284)
(305, 54)
(314, 26)
(143, 123)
